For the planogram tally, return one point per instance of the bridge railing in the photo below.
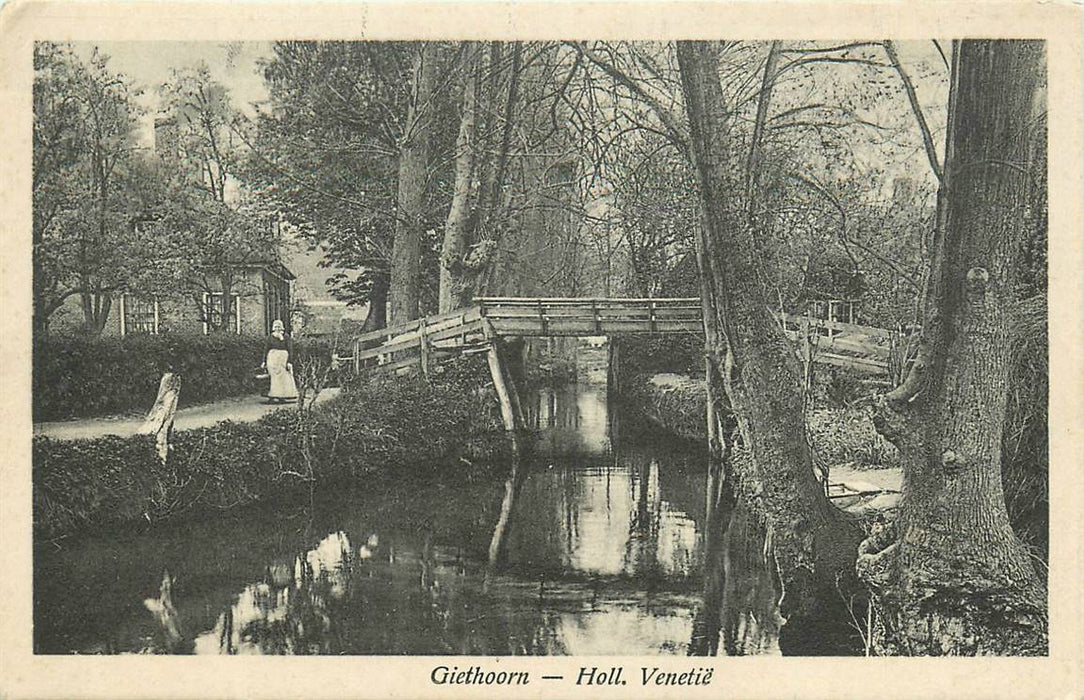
(586, 316)
(418, 341)
(863, 348)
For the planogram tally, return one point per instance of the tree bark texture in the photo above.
(377, 317)
(455, 284)
(756, 366)
(413, 174)
(951, 575)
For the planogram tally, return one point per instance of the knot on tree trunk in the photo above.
(890, 419)
(480, 255)
(952, 461)
(976, 282)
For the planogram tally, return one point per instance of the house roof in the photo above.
(275, 267)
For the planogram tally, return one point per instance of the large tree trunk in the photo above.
(455, 284)
(377, 317)
(752, 359)
(413, 174)
(953, 577)
(96, 306)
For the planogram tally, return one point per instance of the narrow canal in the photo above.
(601, 554)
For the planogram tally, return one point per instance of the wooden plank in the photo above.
(399, 346)
(486, 301)
(667, 326)
(584, 312)
(448, 336)
(857, 363)
(841, 344)
(837, 326)
(398, 364)
(468, 313)
(677, 312)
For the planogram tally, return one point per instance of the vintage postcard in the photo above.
(541, 350)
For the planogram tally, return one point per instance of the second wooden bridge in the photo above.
(426, 341)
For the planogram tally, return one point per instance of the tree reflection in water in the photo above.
(601, 555)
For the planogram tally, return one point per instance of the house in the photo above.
(261, 292)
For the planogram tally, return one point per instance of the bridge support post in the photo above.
(507, 411)
(613, 366)
(511, 411)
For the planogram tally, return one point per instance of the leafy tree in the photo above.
(84, 140)
(327, 152)
(206, 233)
(195, 244)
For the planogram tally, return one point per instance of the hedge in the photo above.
(79, 376)
(371, 428)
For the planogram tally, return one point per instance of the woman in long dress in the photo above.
(278, 362)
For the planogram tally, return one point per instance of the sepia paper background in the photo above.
(1061, 675)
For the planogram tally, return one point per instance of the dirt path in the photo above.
(239, 409)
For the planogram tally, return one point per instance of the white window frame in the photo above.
(124, 313)
(207, 310)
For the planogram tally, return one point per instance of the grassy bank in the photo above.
(373, 427)
(662, 378)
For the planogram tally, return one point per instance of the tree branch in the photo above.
(673, 126)
(912, 97)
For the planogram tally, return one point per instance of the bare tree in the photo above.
(751, 362)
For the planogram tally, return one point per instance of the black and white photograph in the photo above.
(491, 348)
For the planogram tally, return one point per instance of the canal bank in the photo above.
(373, 427)
(601, 555)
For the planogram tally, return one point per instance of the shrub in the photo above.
(372, 427)
(1025, 459)
(677, 406)
(79, 376)
(653, 354)
(837, 388)
(847, 435)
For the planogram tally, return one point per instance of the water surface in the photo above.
(601, 553)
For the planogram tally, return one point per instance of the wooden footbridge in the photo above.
(421, 344)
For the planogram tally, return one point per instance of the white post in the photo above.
(159, 421)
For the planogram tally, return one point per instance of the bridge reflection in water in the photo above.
(601, 555)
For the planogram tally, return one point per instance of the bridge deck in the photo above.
(434, 338)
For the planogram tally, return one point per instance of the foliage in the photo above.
(82, 376)
(658, 213)
(838, 435)
(195, 245)
(196, 224)
(836, 387)
(652, 354)
(84, 140)
(372, 428)
(326, 151)
(677, 407)
(846, 434)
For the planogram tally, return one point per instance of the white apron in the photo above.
(282, 380)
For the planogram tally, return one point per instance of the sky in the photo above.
(150, 63)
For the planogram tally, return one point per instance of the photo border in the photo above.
(22, 674)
